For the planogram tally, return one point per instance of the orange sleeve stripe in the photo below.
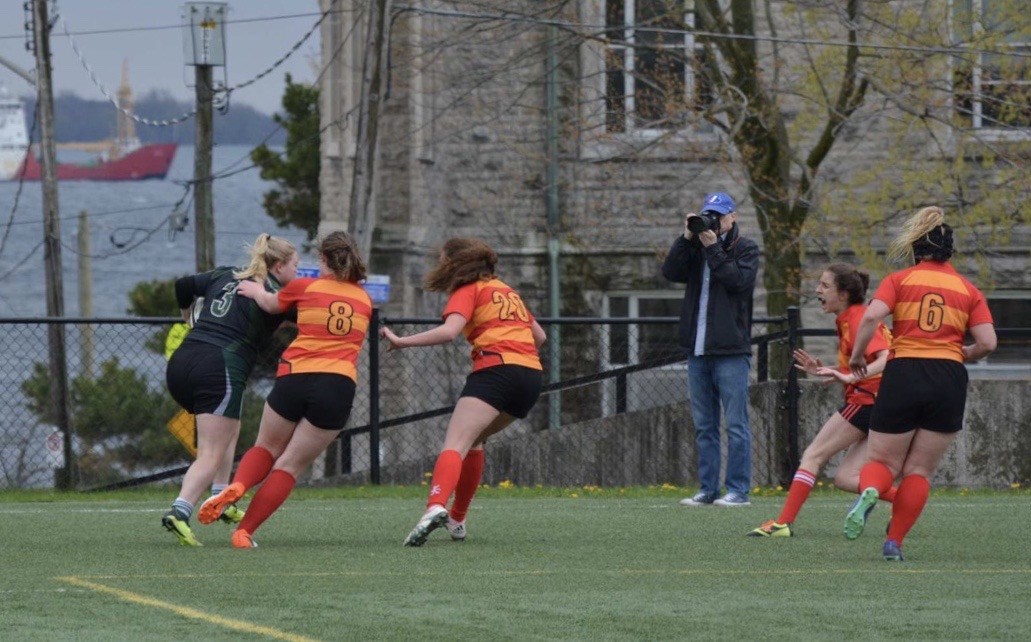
(935, 281)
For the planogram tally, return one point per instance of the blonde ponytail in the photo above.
(266, 252)
(915, 227)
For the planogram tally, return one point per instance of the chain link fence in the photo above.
(614, 411)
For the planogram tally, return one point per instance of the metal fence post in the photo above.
(620, 393)
(793, 389)
(373, 336)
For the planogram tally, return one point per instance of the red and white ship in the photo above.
(120, 159)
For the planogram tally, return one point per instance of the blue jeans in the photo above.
(714, 381)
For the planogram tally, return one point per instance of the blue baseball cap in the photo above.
(719, 202)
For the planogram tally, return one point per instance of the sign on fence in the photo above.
(377, 285)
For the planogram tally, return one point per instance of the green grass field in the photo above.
(538, 565)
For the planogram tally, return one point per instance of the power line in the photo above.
(225, 91)
(145, 28)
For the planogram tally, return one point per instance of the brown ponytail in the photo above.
(340, 253)
(850, 279)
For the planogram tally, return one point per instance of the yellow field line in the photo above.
(610, 571)
(236, 625)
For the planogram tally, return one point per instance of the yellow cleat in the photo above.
(180, 528)
(231, 515)
(771, 529)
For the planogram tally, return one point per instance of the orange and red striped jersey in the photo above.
(932, 307)
(497, 324)
(332, 320)
(862, 392)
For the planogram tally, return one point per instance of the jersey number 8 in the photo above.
(339, 322)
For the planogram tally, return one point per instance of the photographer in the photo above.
(719, 267)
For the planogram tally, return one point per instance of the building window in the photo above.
(651, 64)
(639, 343)
(1011, 311)
(631, 344)
(992, 85)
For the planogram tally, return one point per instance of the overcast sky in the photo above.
(156, 56)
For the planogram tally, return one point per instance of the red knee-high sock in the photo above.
(445, 477)
(270, 496)
(909, 503)
(877, 475)
(797, 494)
(254, 467)
(468, 482)
(889, 495)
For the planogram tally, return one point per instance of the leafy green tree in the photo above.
(295, 171)
(154, 298)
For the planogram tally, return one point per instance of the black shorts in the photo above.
(510, 389)
(205, 379)
(920, 393)
(857, 414)
(323, 398)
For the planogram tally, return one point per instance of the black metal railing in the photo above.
(118, 404)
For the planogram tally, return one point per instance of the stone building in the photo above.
(570, 135)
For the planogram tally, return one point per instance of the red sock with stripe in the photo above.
(877, 475)
(468, 482)
(797, 494)
(254, 467)
(270, 496)
(909, 503)
(445, 477)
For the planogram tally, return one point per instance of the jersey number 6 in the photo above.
(932, 312)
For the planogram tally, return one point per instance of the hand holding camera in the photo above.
(705, 226)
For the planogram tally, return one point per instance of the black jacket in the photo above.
(733, 264)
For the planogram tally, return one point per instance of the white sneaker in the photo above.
(733, 499)
(456, 529)
(434, 517)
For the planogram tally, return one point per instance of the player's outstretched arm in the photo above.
(267, 301)
(443, 333)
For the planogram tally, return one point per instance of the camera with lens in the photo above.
(704, 221)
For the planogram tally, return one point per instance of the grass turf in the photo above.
(538, 564)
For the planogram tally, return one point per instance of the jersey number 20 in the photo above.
(511, 306)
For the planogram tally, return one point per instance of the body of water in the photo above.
(239, 218)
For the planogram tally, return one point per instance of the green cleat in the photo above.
(180, 528)
(231, 515)
(855, 521)
(772, 529)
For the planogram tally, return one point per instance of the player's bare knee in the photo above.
(847, 481)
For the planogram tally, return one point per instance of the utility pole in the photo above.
(205, 46)
(363, 212)
(52, 240)
(205, 219)
(85, 295)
